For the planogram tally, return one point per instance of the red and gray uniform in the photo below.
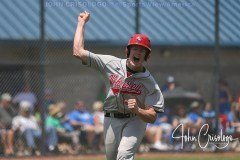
(123, 130)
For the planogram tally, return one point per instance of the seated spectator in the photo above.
(156, 132)
(55, 119)
(225, 97)
(98, 120)
(181, 118)
(6, 115)
(62, 105)
(209, 115)
(27, 124)
(223, 121)
(26, 95)
(234, 119)
(81, 120)
(98, 116)
(196, 121)
(233, 126)
(48, 99)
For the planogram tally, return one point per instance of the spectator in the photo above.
(26, 95)
(196, 121)
(161, 129)
(61, 105)
(233, 126)
(181, 117)
(48, 98)
(98, 113)
(6, 115)
(81, 120)
(225, 97)
(170, 84)
(234, 118)
(55, 119)
(224, 121)
(27, 124)
(98, 120)
(209, 115)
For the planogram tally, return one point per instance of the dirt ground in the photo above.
(145, 155)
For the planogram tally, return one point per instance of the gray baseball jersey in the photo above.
(120, 87)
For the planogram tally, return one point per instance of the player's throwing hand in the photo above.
(84, 17)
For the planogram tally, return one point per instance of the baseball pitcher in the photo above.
(133, 96)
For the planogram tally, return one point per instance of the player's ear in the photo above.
(149, 55)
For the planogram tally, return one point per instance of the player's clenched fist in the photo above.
(132, 105)
(84, 16)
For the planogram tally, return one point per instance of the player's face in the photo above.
(137, 56)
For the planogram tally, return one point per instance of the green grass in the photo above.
(147, 156)
(189, 156)
(193, 158)
(196, 157)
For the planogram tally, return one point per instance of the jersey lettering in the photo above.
(129, 87)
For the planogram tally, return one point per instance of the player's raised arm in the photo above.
(78, 44)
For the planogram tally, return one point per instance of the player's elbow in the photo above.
(153, 116)
(152, 119)
(78, 53)
(81, 54)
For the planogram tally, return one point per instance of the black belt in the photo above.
(119, 115)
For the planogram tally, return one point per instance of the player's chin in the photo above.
(136, 63)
